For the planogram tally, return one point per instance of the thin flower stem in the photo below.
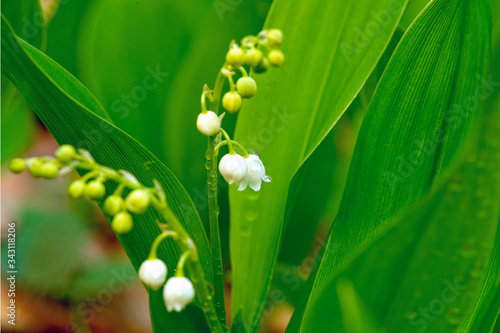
(213, 207)
(229, 142)
(180, 265)
(158, 240)
(213, 211)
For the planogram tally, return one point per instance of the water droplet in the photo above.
(411, 314)
(482, 214)
(267, 178)
(453, 316)
(468, 249)
(455, 188)
(477, 271)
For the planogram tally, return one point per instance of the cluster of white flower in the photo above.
(245, 170)
(177, 292)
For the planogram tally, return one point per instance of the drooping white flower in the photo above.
(177, 293)
(256, 173)
(233, 168)
(208, 123)
(153, 273)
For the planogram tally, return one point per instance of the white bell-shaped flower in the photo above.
(153, 272)
(233, 168)
(208, 123)
(256, 173)
(177, 293)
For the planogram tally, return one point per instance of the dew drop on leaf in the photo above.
(453, 316)
(468, 249)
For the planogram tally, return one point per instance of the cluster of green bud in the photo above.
(91, 185)
(257, 53)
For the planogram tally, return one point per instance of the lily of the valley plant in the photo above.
(241, 167)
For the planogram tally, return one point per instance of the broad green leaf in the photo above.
(63, 34)
(74, 116)
(27, 20)
(417, 123)
(128, 54)
(413, 9)
(18, 123)
(437, 268)
(328, 165)
(331, 49)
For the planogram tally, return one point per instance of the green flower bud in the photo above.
(262, 67)
(246, 87)
(232, 102)
(274, 38)
(76, 189)
(35, 168)
(49, 170)
(17, 165)
(137, 201)
(113, 204)
(65, 153)
(95, 190)
(253, 57)
(122, 223)
(235, 57)
(276, 58)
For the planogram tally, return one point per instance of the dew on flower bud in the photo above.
(274, 38)
(65, 153)
(49, 170)
(262, 66)
(17, 165)
(95, 190)
(113, 204)
(276, 58)
(137, 201)
(76, 189)
(235, 57)
(246, 87)
(35, 168)
(122, 223)
(254, 152)
(232, 102)
(253, 57)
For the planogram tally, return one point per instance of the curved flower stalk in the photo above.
(257, 54)
(153, 271)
